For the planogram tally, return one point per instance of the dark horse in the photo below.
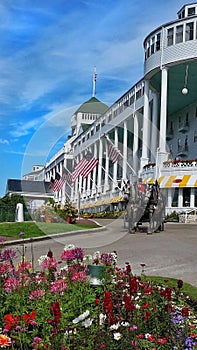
(145, 206)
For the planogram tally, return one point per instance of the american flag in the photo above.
(90, 165)
(113, 152)
(57, 183)
(84, 166)
(67, 176)
(78, 168)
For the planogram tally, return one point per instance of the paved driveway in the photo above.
(171, 253)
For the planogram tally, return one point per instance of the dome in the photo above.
(93, 105)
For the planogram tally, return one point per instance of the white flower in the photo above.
(115, 326)
(70, 332)
(125, 324)
(147, 335)
(87, 323)
(137, 306)
(41, 259)
(69, 247)
(117, 336)
(96, 255)
(87, 258)
(102, 318)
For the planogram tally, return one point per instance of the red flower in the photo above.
(10, 321)
(28, 318)
(50, 254)
(128, 303)
(145, 306)
(185, 311)
(148, 291)
(97, 301)
(180, 283)
(140, 336)
(55, 311)
(108, 306)
(146, 316)
(162, 340)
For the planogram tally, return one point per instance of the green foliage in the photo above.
(59, 309)
(8, 206)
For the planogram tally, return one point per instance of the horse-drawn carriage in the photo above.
(145, 204)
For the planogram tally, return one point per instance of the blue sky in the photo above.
(48, 50)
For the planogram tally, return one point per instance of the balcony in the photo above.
(184, 126)
(182, 151)
(169, 134)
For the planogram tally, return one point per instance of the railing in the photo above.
(187, 216)
(180, 163)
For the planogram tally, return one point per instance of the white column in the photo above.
(89, 183)
(116, 163)
(145, 136)
(94, 187)
(154, 128)
(180, 198)
(163, 112)
(192, 197)
(135, 142)
(124, 162)
(99, 184)
(106, 167)
(169, 198)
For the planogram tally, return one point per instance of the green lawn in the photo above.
(37, 229)
(187, 288)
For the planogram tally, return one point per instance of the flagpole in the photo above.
(94, 83)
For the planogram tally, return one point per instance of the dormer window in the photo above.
(191, 11)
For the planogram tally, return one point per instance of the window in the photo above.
(178, 144)
(191, 11)
(148, 49)
(175, 198)
(186, 143)
(195, 136)
(189, 34)
(186, 196)
(179, 34)
(170, 36)
(152, 45)
(187, 119)
(158, 42)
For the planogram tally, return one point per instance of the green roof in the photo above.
(93, 105)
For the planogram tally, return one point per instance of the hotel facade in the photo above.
(154, 125)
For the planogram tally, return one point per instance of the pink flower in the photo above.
(49, 263)
(79, 276)
(58, 286)
(36, 294)
(26, 265)
(11, 284)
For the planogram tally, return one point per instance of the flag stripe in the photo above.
(113, 152)
(89, 167)
(79, 167)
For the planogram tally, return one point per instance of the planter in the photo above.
(96, 273)
(71, 219)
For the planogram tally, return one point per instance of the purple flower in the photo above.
(21, 234)
(8, 255)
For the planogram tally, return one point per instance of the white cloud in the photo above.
(4, 141)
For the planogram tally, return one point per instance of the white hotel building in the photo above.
(154, 125)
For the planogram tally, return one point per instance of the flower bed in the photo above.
(57, 308)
